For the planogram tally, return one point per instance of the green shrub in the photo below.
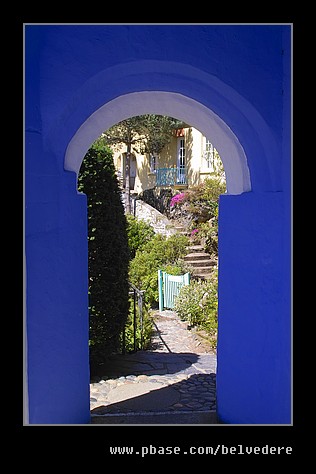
(198, 211)
(139, 233)
(210, 189)
(108, 253)
(208, 236)
(202, 200)
(197, 304)
(155, 255)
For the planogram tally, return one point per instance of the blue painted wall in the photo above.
(68, 77)
(253, 378)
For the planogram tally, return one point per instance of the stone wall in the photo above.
(158, 221)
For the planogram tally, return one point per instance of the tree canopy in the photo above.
(147, 133)
(157, 130)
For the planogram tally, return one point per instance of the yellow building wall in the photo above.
(196, 165)
(168, 157)
(144, 179)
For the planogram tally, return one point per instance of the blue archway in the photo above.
(76, 86)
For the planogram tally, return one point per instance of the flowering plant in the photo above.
(194, 231)
(176, 199)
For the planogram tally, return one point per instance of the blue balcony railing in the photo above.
(171, 176)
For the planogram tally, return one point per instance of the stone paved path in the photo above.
(176, 375)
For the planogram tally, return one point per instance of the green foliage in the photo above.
(108, 253)
(198, 210)
(197, 304)
(147, 133)
(138, 233)
(211, 189)
(178, 268)
(208, 235)
(203, 199)
(154, 255)
(157, 130)
(209, 194)
(128, 132)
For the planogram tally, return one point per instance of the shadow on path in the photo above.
(146, 362)
(197, 392)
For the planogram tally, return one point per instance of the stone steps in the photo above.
(197, 256)
(196, 249)
(197, 259)
(201, 270)
(181, 230)
(200, 261)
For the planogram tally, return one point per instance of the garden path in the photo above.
(172, 383)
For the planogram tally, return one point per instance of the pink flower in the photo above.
(177, 198)
(194, 231)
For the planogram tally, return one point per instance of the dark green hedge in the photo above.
(108, 253)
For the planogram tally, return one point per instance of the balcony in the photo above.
(171, 177)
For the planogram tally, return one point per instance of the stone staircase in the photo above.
(180, 229)
(199, 261)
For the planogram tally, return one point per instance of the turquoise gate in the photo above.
(169, 287)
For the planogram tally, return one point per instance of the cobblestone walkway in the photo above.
(178, 374)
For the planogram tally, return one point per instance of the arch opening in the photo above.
(171, 104)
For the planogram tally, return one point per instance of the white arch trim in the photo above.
(170, 104)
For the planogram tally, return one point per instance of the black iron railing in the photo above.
(137, 302)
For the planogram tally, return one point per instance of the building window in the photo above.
(181, 172)
(153, 164)
(208, 155)
(181, 153)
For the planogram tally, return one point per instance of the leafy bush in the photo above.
(139, 233)
(209, 190)
(197, 304)
(156, 254)
(201, 201)
(208, 236)
(197, 209)
(108, 253)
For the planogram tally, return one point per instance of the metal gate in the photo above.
(169, 287)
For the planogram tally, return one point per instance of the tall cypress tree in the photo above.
(108, 253)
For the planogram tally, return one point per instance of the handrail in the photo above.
(136, 289)
(140, 293)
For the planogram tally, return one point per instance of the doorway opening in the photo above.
(187, 347)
